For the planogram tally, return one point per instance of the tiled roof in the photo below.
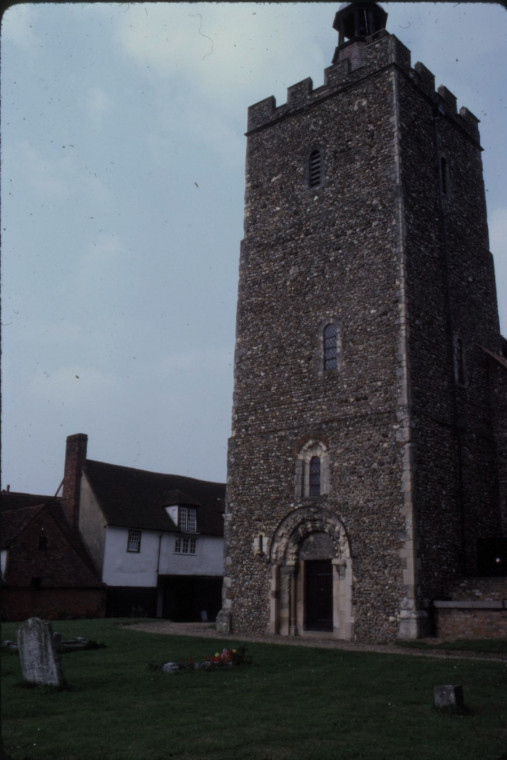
(13, 521)
(16, 500)
(17, 509)
(133, 498)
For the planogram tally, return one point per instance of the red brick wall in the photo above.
(472, 624)
(75, 457)
(57, 565)
(52, 603)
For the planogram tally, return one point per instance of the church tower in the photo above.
(361, 466)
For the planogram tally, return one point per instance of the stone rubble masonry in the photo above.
(405, 271)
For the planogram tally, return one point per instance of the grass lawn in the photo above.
(291, 703)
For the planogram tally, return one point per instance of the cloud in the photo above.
(17, 27)
(96, 103)
(73, 386)
(49, 178)
(226, 51)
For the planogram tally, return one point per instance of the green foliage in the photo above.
(290, 703)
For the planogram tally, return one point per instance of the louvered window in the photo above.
(315, 168)
(330, 347)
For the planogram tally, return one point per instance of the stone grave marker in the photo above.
(449, 697)
(40, 662)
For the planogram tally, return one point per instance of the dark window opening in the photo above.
(315, 169)
(330, 347)
(36, 584)
(315, 476)
(43, 543)
(492, 556)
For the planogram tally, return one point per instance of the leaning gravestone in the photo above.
(40, 662)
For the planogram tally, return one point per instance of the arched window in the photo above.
(314, 476)
(315, 168)
(330, 346)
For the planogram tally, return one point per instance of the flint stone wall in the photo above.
(369, 250)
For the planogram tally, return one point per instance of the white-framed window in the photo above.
(184, 545)
(187, 519)
(134, 541)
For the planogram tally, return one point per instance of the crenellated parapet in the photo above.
(356, 61)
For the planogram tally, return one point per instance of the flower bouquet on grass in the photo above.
(227, 658)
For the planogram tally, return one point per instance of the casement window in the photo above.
(134, 541)
(187, 519)
(315, 168)
(184, 545)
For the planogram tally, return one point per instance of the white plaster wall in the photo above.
(123, 568)
(208, 559)
(92, 524)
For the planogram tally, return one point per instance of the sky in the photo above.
(123, 155)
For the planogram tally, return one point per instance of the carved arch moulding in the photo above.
(301, 523)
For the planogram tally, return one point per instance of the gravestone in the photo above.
(449, 697)
(40, 662)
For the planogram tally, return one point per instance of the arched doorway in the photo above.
(311, 581)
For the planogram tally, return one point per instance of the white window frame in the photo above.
(185, 545)
(187, 519)
(134, 540)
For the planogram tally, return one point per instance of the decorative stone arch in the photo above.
(288, 562)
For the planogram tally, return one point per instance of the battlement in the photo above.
(357, 61)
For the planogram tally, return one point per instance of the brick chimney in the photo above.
(75, 457)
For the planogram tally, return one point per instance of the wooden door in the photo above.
(318, 595)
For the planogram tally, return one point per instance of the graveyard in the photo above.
(284, 703)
